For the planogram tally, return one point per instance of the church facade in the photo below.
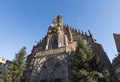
(50, 58)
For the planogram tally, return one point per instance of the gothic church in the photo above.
(49, 60)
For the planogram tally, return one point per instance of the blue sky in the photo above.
(22, 22)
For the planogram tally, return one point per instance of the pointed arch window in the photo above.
(53, 43)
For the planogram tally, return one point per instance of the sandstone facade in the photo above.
(50, 59)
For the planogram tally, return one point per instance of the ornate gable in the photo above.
(49, 60)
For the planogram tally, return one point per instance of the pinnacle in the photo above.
(58, 20)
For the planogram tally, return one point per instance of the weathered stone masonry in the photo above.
(49, 59)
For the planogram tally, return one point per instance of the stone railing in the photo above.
(51, 52)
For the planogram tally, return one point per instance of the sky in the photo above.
(22, 22)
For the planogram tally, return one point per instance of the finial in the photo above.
(85, 34)
(89, 31)
(35, 43)
(59, 20)
(79, 31)
(94, 40)
(75, 29)
(82, 33)
(55, 21)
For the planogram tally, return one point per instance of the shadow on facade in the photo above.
(54, 69)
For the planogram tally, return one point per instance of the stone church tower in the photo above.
(50, 59)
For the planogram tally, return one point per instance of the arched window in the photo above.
(53, 43)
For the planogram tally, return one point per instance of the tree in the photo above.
(1, 80)
(14, 73)
(86, 66)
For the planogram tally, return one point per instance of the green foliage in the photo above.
(1, 80)
(14, 73)
(87, 67)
